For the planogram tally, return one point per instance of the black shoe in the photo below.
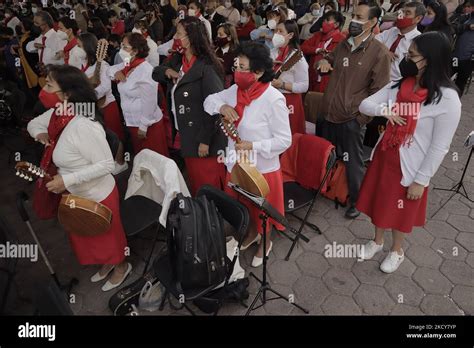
(352, 212)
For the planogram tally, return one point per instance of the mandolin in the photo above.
(289, 63)
(101, 54)
(244, 173)
(77, 215)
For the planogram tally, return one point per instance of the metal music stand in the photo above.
(267, 212)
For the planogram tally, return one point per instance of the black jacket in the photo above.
(195, 125)
(215, 22)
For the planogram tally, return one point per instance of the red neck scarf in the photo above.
(246, 96)
(67, 49)
(282, 54)
(408, 106)
(45, 203)
(85, 67)
(133, 64)
(187, 65)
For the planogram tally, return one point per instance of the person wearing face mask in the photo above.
(229, 12)
(359, 67)
(80, 161)
(329, 5)
(28, 60)
(259, 112)
(295, 81)
(117, 26)
(196, 9)
(139, 96)
(320, 44)
(423, 110)
(155, 23)
(464, 49)
(169, 14)
(46, 45)
(11, 20)
(97, 27)
(213, 17)
(72, 53)
(190, 77)
(142, 28)
(436, 19)
(247, 24)
(264, 34)
(226, 43)
(307, 21)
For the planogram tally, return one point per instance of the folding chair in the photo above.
(236, 214)
(154, 178)
(312, 107)
(7, 265)
(306, 167)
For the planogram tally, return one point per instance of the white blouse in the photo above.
(77, 57)
(435, 128)
(82, 155)
(265, 124)
(53, 44)
(298, 75)
(105, 86)
(153, 55)
(138, 96)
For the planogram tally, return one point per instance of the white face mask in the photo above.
(126, 56)
(316, 13)
(191, 12)
(244, 19)
(135, 30)
(34, 10)
(62, 35)
(228, 4)
(272, 24)
(278, 40)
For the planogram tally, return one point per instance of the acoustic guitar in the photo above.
(100, 54)
(244, 173)
(289, 63)
(77, 215)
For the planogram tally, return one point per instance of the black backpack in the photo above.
(196, 243)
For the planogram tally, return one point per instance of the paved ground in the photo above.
(437, 276)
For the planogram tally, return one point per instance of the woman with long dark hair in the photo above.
(139, 95)
(79, 158)
(436, 19)
(226, 43)
(72, 53)
(97, 27)
(295, 81)
(259, 112)
(423, 110)
(190, 77)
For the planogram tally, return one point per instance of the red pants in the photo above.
(203, 171)
(275, 198)
(107, 248)
(155, 139)
(112, 119)
(294, 102)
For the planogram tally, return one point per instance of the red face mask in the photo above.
(178, 46)
(244, 79)
(404, 22)
(49, 100)
(328, 27)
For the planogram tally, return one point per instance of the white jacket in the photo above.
(158, 178)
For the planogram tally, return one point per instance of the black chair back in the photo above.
(7, 264)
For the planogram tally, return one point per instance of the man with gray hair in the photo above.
(49, 43)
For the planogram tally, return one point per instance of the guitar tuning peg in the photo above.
(22, 175)
(30, 179)
(41, 175)
(17, 173)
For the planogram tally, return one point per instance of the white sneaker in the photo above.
(370, 249)
(119, 168)
(392, 262)
(258, 261)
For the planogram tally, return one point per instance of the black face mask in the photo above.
(355, 29)
(35, 31)
(408, 67)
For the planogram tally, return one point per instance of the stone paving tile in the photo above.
(420, 236)
(340, 235)
(441, 229)
(470, 260)
(466, 240)
(310, 290)
(340, 305)
(362, 229)
(404, 290)
(284, 272)
(458, 272)
(423, 256)
(373, 299)
(439, 305)
(340, 281)
(312, 264)
(432, 281)
(403, 310)
(449, 249)
(464, 298)
(368, 272)
(461, 223)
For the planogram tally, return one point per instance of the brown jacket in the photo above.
(354, 77)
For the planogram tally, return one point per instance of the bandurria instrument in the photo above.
(76, 214)
(289, 63)
(244, 173)
(101, 54)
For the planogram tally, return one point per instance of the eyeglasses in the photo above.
(125, 46)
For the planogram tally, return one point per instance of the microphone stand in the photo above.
(267, 211)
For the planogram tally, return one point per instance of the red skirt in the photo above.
(155, 139)
(383, 198)
(112, 119)
(107, 248)
(294, 102)
(206, 170)
(275, 198)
